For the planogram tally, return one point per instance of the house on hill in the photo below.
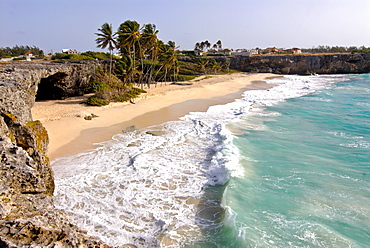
(272, 49)
(296, 50)
(225, 51)
(30, 56)
(69, 51)
(191, 52)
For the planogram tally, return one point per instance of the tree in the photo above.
(106, 38)
(207, 45)
(197, 46)
(202, 63)
(128, 42)
(216, 66)
(219, 44)
(226, 66)
(150, 44)
(168, 58)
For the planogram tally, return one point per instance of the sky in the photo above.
(53, 25)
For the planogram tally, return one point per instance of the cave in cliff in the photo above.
(52, 87)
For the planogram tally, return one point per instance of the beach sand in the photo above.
(70, 133)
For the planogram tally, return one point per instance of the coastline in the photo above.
(70, 133)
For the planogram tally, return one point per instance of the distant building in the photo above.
(191, 52)
(293, 50)
(226, 52)
(241, 52)
(30, 56)
(213, 50)
(69, 51)
(244, 52)
(296, 50)
(272, 49)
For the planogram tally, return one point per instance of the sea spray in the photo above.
(157, 189)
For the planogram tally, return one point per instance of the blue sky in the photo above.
(58, 24)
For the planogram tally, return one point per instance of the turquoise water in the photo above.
(284, 167)
(307, 173)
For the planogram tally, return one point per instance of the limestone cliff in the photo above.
(296, 64)
(27, 214)
(304, 64)
(53, 80)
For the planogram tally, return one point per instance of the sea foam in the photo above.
(144, 188)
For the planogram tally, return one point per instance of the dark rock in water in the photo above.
(155, 133)
(129, 129)
(28, 217)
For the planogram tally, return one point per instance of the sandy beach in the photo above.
(70, 133)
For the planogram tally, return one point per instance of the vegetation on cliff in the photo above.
(109, 88)
(8, 52)
(337, 49)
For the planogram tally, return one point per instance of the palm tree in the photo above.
(168, 58)
(219, 44)
(226, 66)
(128, 39)
(202, 63)
(207, 45)
(197, 46)
(216, 66)
(202, 45)
(106, 38)
(150, 43)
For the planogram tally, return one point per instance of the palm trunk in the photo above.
(110, 65)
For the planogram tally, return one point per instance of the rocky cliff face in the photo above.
(27, 214)
(297, 64)
(304, 64)
(53, 80)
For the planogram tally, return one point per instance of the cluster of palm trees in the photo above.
(211, 64)
(205, 45)
(144, 58)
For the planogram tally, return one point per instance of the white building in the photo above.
(69, 51)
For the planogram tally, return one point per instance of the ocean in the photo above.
(284, 167)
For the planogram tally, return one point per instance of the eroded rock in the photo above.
(28, 217)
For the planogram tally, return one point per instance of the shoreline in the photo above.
(71, 134)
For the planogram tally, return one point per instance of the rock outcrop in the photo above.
(53, 80)
(304, 64)
(28, 217)
(296, 64)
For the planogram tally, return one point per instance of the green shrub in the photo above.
(97, 55)
(137, 90)
(133, 93)
(98, 86)
(185, 77)
(122, 98)
(61, 56)
(81, 57)
(71, 57)
(19, 58)
(95, 101)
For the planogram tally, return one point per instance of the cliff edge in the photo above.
(304, 64)
(28, 217)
